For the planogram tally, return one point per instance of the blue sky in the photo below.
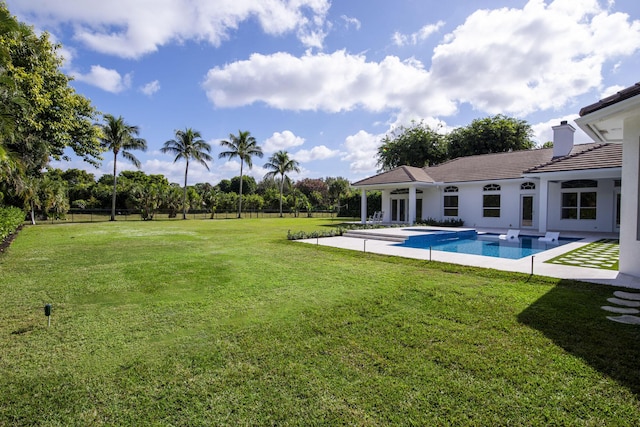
(326, 80)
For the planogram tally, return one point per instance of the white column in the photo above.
(630, 199)
(543, 205)
(385, 200)
(412, 205)
(363, 206)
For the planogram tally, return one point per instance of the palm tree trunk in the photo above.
(281, 191)
(240, 198)
(184, 196)
(113, 198)
(33, 213)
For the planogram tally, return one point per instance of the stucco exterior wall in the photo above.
(604, 222)
(630, 203)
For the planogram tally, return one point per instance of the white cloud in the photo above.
(150, 88)
(361, 152)
(281, 141)
(133, 28)
(320, 152)
(413, 39)
(104, 78)
(329, 82)
(351, 21)
(611, 90)
(540, 57)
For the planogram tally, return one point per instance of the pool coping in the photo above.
(523, 265)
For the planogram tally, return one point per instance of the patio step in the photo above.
(371, 235)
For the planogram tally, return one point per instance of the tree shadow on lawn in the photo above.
(571, 316)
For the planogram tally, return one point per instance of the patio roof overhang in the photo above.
(602, 173)
(603, 121)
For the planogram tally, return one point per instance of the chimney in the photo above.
(562, 139)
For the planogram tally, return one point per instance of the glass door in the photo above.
(526, 216)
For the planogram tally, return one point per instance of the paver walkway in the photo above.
(602, 254)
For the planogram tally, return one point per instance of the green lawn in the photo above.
(225, 322)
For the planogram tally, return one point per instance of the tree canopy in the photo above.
(41, 115)
(495, 134)
(417, 145)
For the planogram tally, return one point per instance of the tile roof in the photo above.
(596, 156)
(500, 166)
(626, 93)
(402, 174)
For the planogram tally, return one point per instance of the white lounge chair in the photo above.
(511, 235)
(375, 217)
(380, 217)
(551, 237)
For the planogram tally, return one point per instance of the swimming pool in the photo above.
(485, 244)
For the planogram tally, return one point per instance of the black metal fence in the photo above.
(101, 215)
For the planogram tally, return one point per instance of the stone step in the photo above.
(624, 302)
(359, 234)
(627, 295)
(620, 310)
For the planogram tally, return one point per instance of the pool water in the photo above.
(472, 243)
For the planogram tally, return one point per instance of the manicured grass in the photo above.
(225, 322)
(603, 254)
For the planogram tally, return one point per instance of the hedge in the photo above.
(11, 219)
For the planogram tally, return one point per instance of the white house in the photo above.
(616, 119)
(565, 188)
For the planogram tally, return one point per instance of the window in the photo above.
(450, 205)
(491, 202)
(580, 203)
(451, 201)
(528, 186)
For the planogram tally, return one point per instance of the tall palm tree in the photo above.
(119, 136)
(188, 145)
(280, 164)
(244, 147)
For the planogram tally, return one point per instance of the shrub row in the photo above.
(11, 219)
(451, 222)
(299, 235)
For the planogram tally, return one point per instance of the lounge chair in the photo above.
(375, 217)
(511, 235)
(380, 217)
(551, 237)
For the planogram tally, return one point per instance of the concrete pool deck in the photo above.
(523, 265)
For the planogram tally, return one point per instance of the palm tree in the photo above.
(244, 147)
(118, 136)
(281, 164)
(188, 145)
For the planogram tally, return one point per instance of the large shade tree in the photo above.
(120, 137)
(244, 147)
(41, 115)
(495, 134)
(280, 164)
(416, 145)
(188, 145)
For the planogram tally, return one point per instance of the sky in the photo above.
(327, 80)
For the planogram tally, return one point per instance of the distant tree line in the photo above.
(150, 194)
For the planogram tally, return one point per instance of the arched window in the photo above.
(528, 186)
(451, 201)
(491, 187)
(491, 202)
